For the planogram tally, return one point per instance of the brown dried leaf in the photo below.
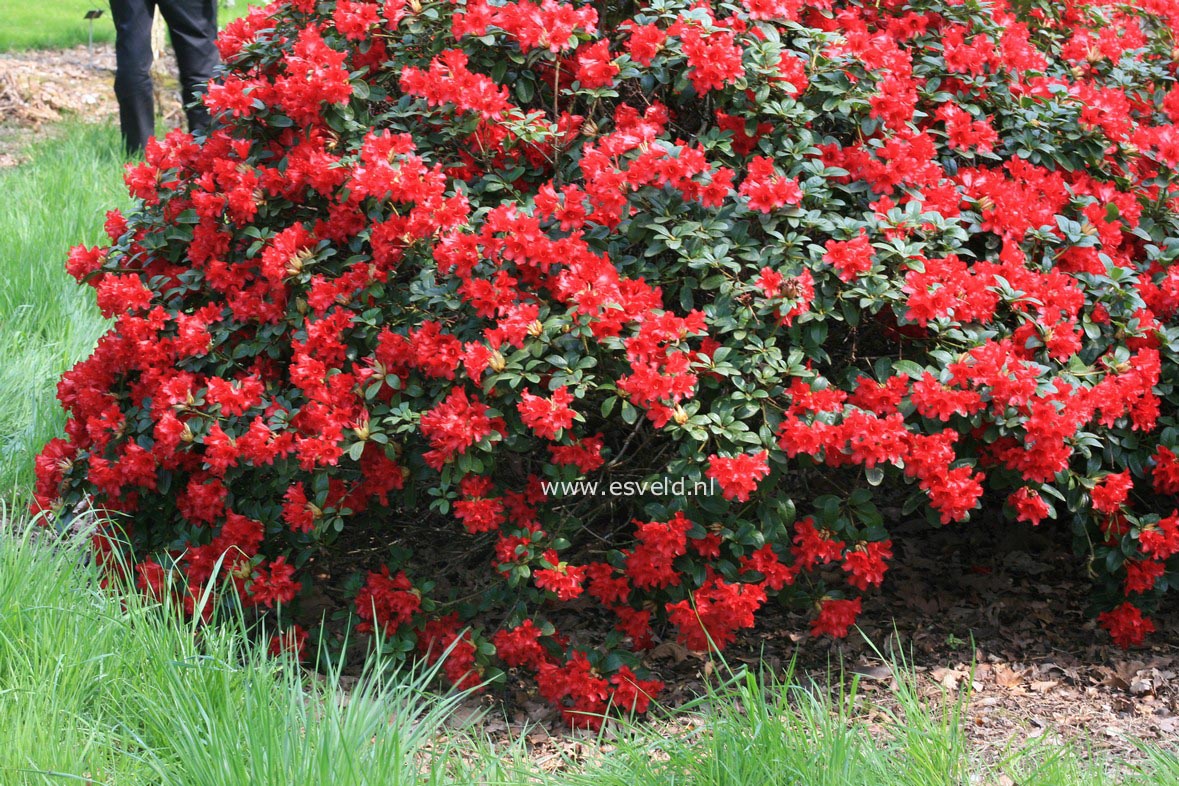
(669, 650)
(869, 672)
(1007, 677)
(948, 678)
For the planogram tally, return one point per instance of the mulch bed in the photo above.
(41, 88)
(999, 620)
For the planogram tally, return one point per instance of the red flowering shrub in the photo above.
(435, 257)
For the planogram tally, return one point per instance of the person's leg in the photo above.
(193, 26)
(133, 88)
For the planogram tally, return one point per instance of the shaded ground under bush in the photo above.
(995, 609)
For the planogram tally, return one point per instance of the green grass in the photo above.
(47, 322)
(95, 691)
(59, 24)
(127, 694)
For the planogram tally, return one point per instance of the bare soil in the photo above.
(41, 89)
(1000, 621)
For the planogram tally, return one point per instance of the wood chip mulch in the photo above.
(41, 88)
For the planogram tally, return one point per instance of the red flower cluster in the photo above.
(738, 476)
(386, 602)
(715, 612)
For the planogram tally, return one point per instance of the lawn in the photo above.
(56, 25)
(60, 24)
(47, 322)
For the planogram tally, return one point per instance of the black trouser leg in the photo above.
(133, 88)
(193, 25)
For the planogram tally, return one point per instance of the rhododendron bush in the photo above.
(818, 258)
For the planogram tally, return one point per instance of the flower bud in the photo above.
(296, 262)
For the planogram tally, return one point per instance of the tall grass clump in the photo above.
(111, 689)
(58, 198)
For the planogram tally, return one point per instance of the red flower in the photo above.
(1126, 625)
(1166, 467)
(520, 646)
(1111, 491)
(273, 584)
(766, 562)
(867, 564)
(812, 547)
(564, 580)
(576, 689)
(850, 258)
(85, 261)
(793, 72)
(632, 694)
(836, 617)
(766, 188)
(440, 638)
(784, 10)
(353, 20)
(1029, 506)
(1142, 575)
(714, 60)
(650, 564)
(480, 515)
(715, 614)
(966, 133)
(595, 66)
(1162, 540)
(770, 283)
(386, 602)
(644, 42)
(299, 514)
(585, 454)
(604, 585)
(635, 624)
(453, 426)
(479, 510)
(151, 578)
(547, 416)
(738, 476)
